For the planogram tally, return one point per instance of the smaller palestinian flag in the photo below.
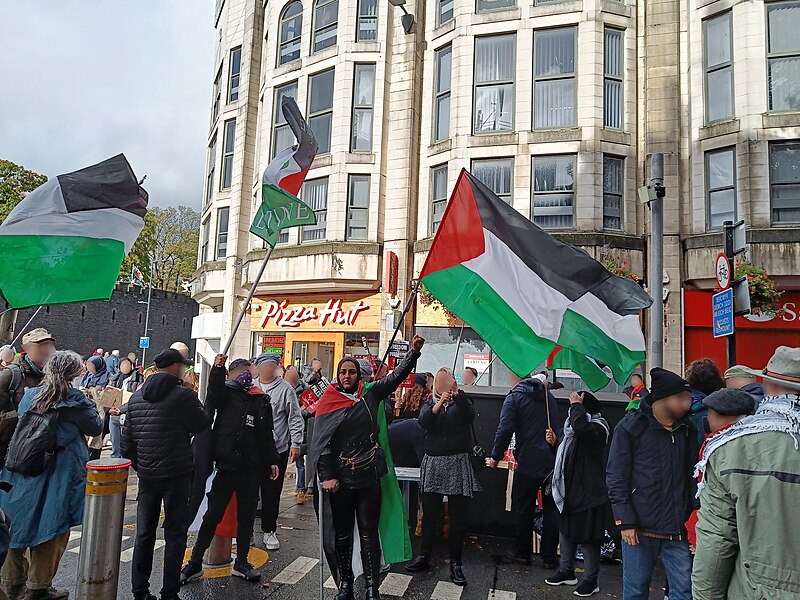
(586, 368)
(280, 208)
(525, 292)
(66, 240)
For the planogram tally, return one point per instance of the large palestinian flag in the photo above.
(66, 240)
(280, 208)
(524, 292)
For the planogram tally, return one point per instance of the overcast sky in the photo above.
(83, 80)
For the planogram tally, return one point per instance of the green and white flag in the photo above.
(66, 240)
(280, 207)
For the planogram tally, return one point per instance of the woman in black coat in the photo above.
(579, 491)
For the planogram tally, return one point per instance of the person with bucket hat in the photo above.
(652, 488)
(748, 525)
(742, 378)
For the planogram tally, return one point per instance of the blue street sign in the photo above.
(144, 342)
(722, 310)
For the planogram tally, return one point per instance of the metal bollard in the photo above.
(219, 553)
(101, 541)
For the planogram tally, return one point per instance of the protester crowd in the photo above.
(699, 474)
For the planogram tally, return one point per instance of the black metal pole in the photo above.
(400, 320)
(729, 252)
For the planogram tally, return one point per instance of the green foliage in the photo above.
(168, 244)
(15, 183)
(764, 297)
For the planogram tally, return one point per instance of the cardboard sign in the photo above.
(310, 398)
(398, 351)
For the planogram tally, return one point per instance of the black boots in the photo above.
(344, 557)
(421, 563)
(372, 574)
(457, 574)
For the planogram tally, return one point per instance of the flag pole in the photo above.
(458, 348)
(486, 369)
(410, 302)
(246, 304)
(321, 546)
(21, 331)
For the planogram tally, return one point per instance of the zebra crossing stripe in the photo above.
(395, 584)
(74, 535)
(445, 590)
(330, 584)
(501, 595)
(77, 549)
(127, 555)
(296, 571)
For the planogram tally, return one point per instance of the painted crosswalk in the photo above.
(445, 590)
(77, 534)
(127, 555)
(299, 568)
(395, 584)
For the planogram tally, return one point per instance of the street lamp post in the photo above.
(147, 312)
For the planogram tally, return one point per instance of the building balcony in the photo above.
(209, 282)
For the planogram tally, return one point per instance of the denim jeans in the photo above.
(639, 561)
(115, 429)
(301, 473)
(591, 558)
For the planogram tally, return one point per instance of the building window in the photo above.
(553, 191)
(444, 11)
(291, 32)
(496, 175)
(282, 136)
(784, 179)
(283, 237)
(367, 26)
(484, 5)
(315, 195)
(217, 95)
(320, 108)
(235, 67)
(720, 187)
(719, 67)
(228, 141)
(783, 53)
(438, 196)
(326, 16)
(441, 109)
(494, 84)
(613, 186)
(222, 233)
(363, 102)
(358, 207)
(612, 78)
(554, 89)
(206, 241)
(212, 165)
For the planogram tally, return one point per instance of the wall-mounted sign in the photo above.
(392, 270)
(345, 312)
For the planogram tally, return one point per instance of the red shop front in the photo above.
(756, 336)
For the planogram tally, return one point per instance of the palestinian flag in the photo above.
(587, 368)
(280, 208)
(525, 292)
(66, 240)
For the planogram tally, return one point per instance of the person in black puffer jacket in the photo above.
(162, 417)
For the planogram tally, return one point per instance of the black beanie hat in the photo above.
(591, 403)
(665, 383)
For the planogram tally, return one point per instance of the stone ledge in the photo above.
(786, 119)
(444, 29)
(556, 8)
(307, 249)
(615, 136)
(325, 160)
(567, 134)
(212, 265)
(718, 129)
(773, 235)
(477, 140)
(360, 158)
(497, 16)
(616, 8)
(439, 147)
(576, 238)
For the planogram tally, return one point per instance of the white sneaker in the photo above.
(271, 541)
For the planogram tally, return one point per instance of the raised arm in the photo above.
(387, 386)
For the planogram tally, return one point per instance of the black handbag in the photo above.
(477, 455)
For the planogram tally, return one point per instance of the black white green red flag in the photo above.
(280, 207)
(66, 240)
(525, 292)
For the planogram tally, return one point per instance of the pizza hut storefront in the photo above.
(324, 326)
(756, 336)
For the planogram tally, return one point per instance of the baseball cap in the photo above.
(167, 358)
(36, 336)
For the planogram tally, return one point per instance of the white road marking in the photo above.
(74, 535)
(296, 571)
(127, 555)
(330, 584)
(445, 590)
(395, 584)
(77, 549)
(501, 595)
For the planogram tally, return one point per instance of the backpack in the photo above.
(16, 380)
(33, 445)
(8, 420)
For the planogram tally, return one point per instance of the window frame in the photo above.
(433, 225)
(314, 228)
(276, 94)
(320, 113)
(617, 194)
(351, 179)
(439, 95)
(216, 102)
(315, 31)
(360, 19)
(439, 20)
(503, 159)
(205, 243)
(534, 194)
(362, 108)
(227, 156)
(231, 75)
(707, 71)
(772, 184)
(608, 77)
(220, 234)
(770, 56)
(211, 168)
(298, 39)
(479, 10)
(559, 77)
(494, 83)
(708, 189)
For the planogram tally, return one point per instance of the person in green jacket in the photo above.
(748, 529)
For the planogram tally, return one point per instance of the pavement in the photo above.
(293, 572)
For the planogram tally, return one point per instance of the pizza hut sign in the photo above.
(333, 313)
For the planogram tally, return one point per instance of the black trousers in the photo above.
(175, 494)
(362, 504)
(432, 522)
(523, 495)
(245, 484)
(271, 494)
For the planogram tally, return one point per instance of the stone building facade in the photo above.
(557, 106)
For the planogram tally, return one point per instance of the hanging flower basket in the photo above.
(764, 297)
(428, 299)
(620, 268)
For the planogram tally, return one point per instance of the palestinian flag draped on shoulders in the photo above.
(525, 292)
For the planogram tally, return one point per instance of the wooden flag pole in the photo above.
(246, 304)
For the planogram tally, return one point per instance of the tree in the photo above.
(15, 183)
(168, 243)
